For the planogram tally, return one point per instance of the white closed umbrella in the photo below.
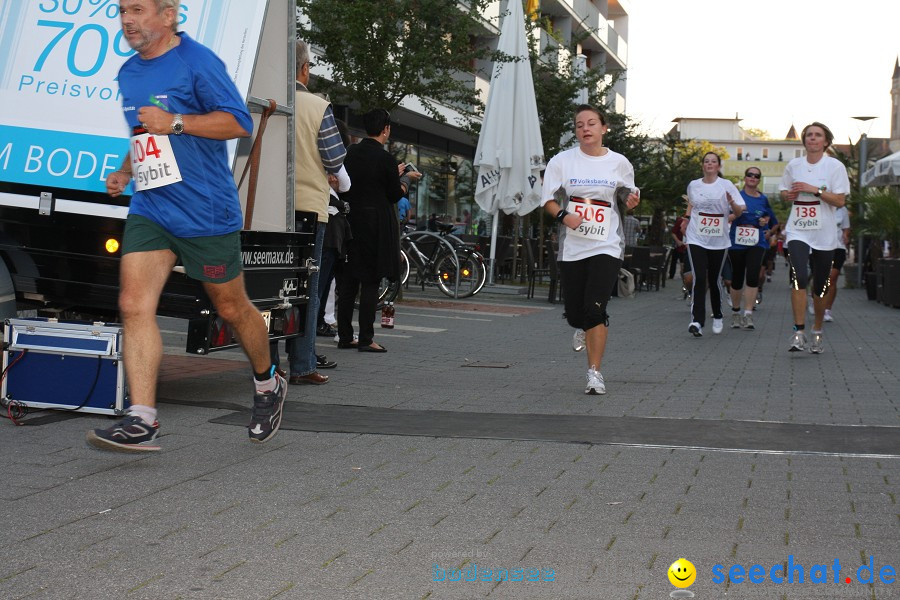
(510, 154)
(885, 172)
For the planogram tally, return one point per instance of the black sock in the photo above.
(799, 327)
(265, 375)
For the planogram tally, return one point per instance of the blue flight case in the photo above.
(64, 365)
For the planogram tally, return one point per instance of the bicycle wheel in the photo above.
(472, 273)
(387, 290)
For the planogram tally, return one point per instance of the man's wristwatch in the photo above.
(178, 124)
(819, 191)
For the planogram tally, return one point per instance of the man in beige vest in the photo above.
(319, 154)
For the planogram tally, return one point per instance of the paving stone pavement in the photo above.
(347, 516)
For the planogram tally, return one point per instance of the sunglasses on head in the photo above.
(753, 175)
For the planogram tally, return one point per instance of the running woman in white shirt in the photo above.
(591, 238)
(713, 203)
(816, 185)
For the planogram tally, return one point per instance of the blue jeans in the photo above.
(302, 350)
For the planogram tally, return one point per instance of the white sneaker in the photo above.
(578, 340)
(595, 385)
(735, 320)
(828, 317)
(747, 321)
(798, 342)
(696, 329)
(810, 308)
(717, 326)
(817, 345)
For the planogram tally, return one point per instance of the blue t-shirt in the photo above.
(757, 207)
(188, 79)
(403, 208)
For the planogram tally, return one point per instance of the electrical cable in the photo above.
(14, 409)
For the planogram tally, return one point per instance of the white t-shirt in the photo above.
(709, 213)
(842, 220)
(592, 178)
(807, 209)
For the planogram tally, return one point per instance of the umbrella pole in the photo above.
(493, 257)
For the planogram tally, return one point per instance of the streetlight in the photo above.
(863, 160)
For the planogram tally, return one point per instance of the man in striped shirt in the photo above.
(319, 156)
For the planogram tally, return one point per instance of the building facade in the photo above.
(895, 108)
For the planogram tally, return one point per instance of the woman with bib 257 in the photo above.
(816, 185)
(748, 247)
(713, 203)
(591, 235)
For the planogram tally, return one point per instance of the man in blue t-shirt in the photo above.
(403, 208)
(181, 106)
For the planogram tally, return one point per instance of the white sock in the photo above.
(747, 313)
(147, 414)
(268, 385)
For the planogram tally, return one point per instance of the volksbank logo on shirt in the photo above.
(602, 182)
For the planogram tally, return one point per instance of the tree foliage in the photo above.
(383, 51)
(558, 83)
(759, 134)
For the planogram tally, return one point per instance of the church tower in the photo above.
(895, 108)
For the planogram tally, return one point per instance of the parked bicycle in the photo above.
(441, 259)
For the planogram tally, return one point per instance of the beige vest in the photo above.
(311, 181)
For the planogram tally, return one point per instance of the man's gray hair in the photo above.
(162, 5)
(302, 54)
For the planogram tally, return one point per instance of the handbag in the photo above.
(626, 284)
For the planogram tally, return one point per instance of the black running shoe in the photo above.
(326, 330)
(131, 434)
(265, 416)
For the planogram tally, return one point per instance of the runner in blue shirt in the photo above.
(748, 246)
(182, 107)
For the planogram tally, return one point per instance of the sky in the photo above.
(773, 62)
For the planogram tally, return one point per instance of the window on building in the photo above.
(740, 153)
(797, 153)
(765, 154)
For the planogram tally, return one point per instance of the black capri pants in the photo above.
(746, 264)
(800, 259)
(587, 285)
(707, 267)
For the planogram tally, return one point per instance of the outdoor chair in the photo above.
(534, 271)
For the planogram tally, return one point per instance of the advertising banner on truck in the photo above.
(61, 122)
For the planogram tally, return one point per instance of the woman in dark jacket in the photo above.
(374, 250)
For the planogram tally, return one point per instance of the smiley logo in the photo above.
(682, 573)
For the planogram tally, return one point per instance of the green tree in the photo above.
(382, 51)
(557, 82)
(759, 134)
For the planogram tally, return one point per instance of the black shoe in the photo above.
(265, 416)
(131, 434)
(322, 362)
(326, 330)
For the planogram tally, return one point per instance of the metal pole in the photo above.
(860, 254)
(494, 223)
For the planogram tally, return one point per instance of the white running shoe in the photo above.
(747, 322)
(735, 320)
(798, 342)
(810, 307)
(717, 326)
(696, 329)
(578, 340)
(595, 385)
(828, 317)
(817, 346)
